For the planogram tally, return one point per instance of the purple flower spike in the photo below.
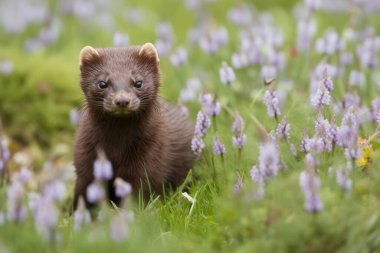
(343, 179)
(81, 215)
(102, 169)
(378, 118)
(238, 125)
(226, 74)
(219, 148)
(95, 192)
(209, 104)
(16, 210)
(197, 145)
(283, 129)
(256, 175)
(269, 159)
(203, 123)
(122, 188)
(328, 83)
(46, 219)
(239, 141)
(55, 190)
(305, 144)
(272, 103)
(179, 57)
(321, 98)
(239, 184)
(310, 185)
(120, 39)
(293, 150)
(119, 227)
(269, 162)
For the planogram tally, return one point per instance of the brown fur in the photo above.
(151, 142)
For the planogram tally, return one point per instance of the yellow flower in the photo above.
(367, 152)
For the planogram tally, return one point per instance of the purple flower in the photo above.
(351, 100)
(353, 153)
(81, 215)
(312, 4)
(103, 169)
(240, 16)
(6, 67)
(310, 185)
(24, 175)
(33, 198)
(46, 219)
(122, 188)
(316, 144)
(343, 179)
(197, 145)
(55, 190)
(238, 185)
(378, 118)
(269, 162)
(5, 153)
(219, 148)
(357, 78)
(268, 72)
(239, 141)
(375, 107)
(74, 117)
(293, 150)
(179, 57)
(346, 59)
(306, 29)
(321, 98)
(269, 158)
(347, 133)
(119, 227)
(238, 125)
(328, 83)
(239, 60)
(16, 209)
(211, 40)
(283, 129)
(95, 192)
(193, 85)
(260, 192)
(226, 74)
(305, 143)
(184, 110)
(203, 123)
(272, 103)
(193, 4)
(256, 175)
(209, 104)
(323, 132)
(120, 39)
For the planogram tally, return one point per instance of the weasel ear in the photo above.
(148, 50)
(88, 54)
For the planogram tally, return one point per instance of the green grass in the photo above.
(36, 99)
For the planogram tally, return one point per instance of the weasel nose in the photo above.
(121, 101)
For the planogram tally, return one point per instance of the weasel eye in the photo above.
(138, 84)
(102, 85)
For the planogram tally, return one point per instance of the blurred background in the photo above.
(40, 42)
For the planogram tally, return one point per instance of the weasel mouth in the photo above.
(120, 112)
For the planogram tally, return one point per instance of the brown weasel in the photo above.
(146, 139)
